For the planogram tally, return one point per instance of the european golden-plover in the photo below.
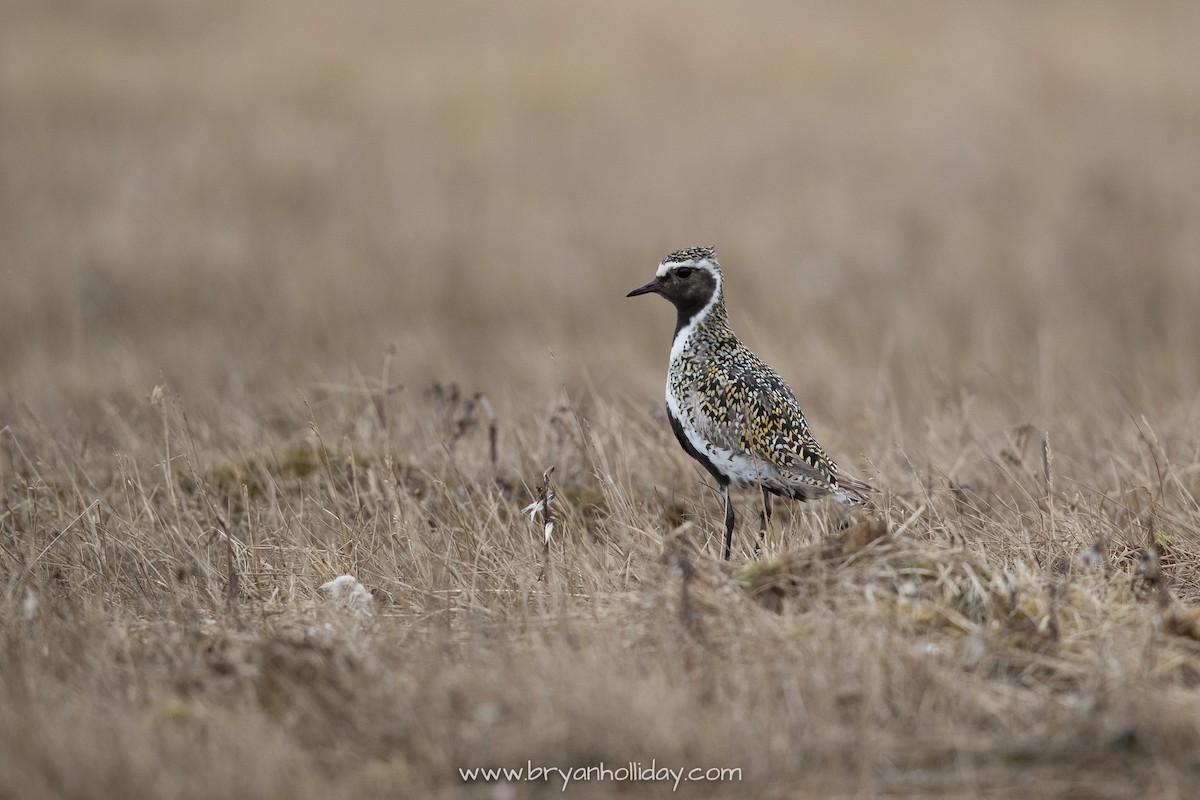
(729, 410)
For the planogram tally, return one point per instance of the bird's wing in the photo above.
(776, 431)
(752, 410)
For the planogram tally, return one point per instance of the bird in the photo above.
(728, 409)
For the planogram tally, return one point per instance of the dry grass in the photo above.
(260, 259)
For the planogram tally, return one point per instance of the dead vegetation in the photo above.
(296, 292)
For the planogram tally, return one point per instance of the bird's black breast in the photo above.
(677, 427)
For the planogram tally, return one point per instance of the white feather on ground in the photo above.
(349, 593)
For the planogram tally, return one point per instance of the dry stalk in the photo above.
(231, 587)
(486, 405)
(1157, 454)
(378, 398)
(158, 398)
(676, 555)
(1048, 483)
(1151, 521)
(542, 505)
(1150, 569)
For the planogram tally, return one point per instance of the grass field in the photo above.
(271, 273)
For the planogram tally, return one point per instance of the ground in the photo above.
(300, 290)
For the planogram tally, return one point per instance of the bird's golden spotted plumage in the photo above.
(729, 410)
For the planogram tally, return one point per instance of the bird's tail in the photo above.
(851, 489)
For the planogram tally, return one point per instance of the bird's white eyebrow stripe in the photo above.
(667, 266)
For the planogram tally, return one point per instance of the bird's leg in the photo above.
(728, 519)
(766, 520)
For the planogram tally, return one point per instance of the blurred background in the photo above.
(912, 202)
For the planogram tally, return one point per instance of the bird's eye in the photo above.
(684, 272)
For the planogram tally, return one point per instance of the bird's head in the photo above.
(690, 279)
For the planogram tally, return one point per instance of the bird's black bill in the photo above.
(652, 286)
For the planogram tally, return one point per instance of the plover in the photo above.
(729, 410)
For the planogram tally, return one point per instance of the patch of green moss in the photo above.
(587, 500)
(295, 465)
